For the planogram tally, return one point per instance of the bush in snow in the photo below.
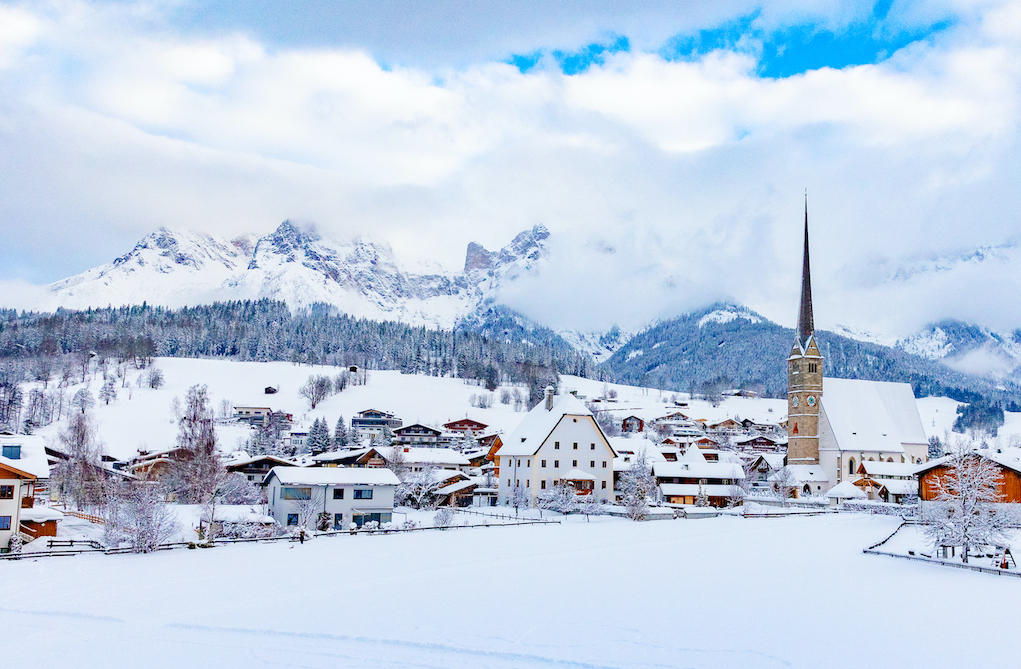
(409, 524)
(137, 512)
(154, 378)
(444, 517)
(561, 499)
(637, 484)
(15, 544)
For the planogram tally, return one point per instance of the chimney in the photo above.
(549, 398)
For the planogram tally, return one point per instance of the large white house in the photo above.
(347, 494)
(557, 442)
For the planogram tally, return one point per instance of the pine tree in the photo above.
(340, 440)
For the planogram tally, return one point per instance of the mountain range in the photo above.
(359, 277)
(363, 278)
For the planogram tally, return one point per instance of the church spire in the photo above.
(806, 326)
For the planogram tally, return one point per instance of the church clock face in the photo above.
(811, 400)
(794, 401)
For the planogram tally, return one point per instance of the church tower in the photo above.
(804, 378)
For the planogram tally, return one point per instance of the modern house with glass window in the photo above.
(346, 494)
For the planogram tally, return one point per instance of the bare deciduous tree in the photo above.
(316, 389)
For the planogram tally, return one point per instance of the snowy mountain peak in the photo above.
(295, 264)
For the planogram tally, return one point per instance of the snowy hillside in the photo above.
(359, 277)
(142, 418)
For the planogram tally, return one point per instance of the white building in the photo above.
(681, 482)
(347, 494)
(21, 464)
(865, 421)
(557, 442)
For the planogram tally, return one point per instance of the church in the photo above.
(834, 425)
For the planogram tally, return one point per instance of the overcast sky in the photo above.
(666, 145)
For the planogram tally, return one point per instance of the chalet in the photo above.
(255, 468)
(345, 495)
(477, 458)
(297, 439)
(493, 443)
(153, 465)
(887, 481)
(474, 427)
(18, 475)
(632, 424)
(261, 416)
(729, 426)
(373, 422)
(1007, 460)
(758, 443)
(419, 435)
(454, 488)
(683, 481)
(557, 442)
(763, 465)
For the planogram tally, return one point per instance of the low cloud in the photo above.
(690, 171)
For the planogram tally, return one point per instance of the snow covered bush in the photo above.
(409, 524)
(444, 517)
(15, 544)
(561, 498)
(637, 484)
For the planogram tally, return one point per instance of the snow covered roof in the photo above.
(456, 486)
(888, 469)
(1009, 457)
(538, 423)
(577, 475)
(895, 486)
(702, 470)
(774, 460)
(846, 490)
(241, 462)
(805, 473)
(33, 454)
(333, 476)
(40, 514)
(418, 455)
(872, 415)
(332, 456)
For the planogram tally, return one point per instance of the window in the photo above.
(12, 451)
(575, 445)
(592, 464)
(574, 463)
(556, 445)
(338, 521)
(604, 485)
(528, 462)
(519, 462)
(556, 464)
(292, 519)
(850, 466)
(508, 483)
(604, 464)
(363, 494)
(296, 493)
(542, 484)
(338, 493)
(593, 447)
(543, 462)
(527, 483)
(6, 492)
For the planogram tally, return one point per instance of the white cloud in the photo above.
(690, 171)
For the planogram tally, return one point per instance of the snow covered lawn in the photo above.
(723, 592)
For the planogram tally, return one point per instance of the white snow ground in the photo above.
(723, 593)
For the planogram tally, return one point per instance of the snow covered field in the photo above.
(717, 593)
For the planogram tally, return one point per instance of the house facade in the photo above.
(557, 442)
(373, 422)
(346, 495)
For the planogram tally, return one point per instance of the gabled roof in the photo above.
(415, 455)
(538, 423)
(1007, 457)
(887, 469)
(417, 427)
(846, 490)
(805, 473)
(695, 469)
(893, 486)
(332, 476)
(872, 415)
(33, 460)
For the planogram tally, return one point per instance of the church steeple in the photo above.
(806, 326)
(804, 377)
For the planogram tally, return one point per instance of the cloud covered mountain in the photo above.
(359, 277)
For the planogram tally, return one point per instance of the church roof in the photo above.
(871, 415)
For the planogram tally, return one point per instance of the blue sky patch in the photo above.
(573, 62)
